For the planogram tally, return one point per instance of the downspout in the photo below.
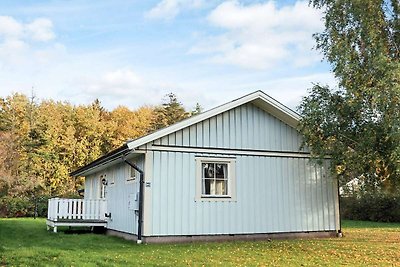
(339, 234)
(141, 182)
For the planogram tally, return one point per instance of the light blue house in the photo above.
(233, 172)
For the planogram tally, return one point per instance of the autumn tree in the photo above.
(19, 140)
(124, 124)
(170, 112)
(357, 124)
(41, 142)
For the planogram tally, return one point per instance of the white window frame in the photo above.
(231, 194)
(128, 174)
(111, 177)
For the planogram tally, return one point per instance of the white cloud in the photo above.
(125, 86)
(121, 82)
(261, 35)
(18, 42)
(121, 86)
(41, 30)
(291, 90)
(9, 27)
(169, 9)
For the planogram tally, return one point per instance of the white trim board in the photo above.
(230, 151)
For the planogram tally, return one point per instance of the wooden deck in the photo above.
(76, 212)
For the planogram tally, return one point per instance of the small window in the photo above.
(215, 178)
(111, 177)
(103, 182)
(132, 174)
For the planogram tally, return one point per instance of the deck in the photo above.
(76, 212)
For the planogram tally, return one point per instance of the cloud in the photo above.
(125, 86)
(262, 35)
(122, 86)
(120, 82)
(19, 42)
(169, 9)
(41, 30)
(10, 28)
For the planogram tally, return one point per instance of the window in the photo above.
(132, 174)
(215, 178)
(111, 177)
(102, 182)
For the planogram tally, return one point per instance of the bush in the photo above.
(378, 208)
(22, 206)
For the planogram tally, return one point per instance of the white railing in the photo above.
(76, 209)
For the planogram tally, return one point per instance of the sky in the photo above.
(134, 52)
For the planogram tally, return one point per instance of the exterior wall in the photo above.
(245, 127)
(273, 194)
(92, 186)
(118, 195)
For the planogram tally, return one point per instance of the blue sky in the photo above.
(133, 52)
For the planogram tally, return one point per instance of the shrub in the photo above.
(22, 206)
(378, 208)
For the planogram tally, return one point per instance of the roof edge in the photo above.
(114, 154)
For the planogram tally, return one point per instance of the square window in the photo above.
(215, 178)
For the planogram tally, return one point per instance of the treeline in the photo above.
(41, 142)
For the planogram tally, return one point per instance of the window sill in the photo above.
(216, 196)
(216, 199)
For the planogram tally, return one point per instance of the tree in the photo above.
(124, 124)
(18, 142)
(41, 142)
(358, 123)
(197, 110)
(170, 112)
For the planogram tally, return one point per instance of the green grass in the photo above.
(25, 242)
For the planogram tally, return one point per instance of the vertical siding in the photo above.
(92, 186)
(123, 219)
(88, 186)
(273, 195)
(245, 127)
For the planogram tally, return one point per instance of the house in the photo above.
(233, 172)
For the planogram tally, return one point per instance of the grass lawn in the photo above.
(25, 242)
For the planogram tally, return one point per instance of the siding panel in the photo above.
(268, 194)
(273, 194)
(123, 218)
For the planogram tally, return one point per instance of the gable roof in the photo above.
(258, 98)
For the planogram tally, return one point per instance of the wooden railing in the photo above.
(76, 209)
